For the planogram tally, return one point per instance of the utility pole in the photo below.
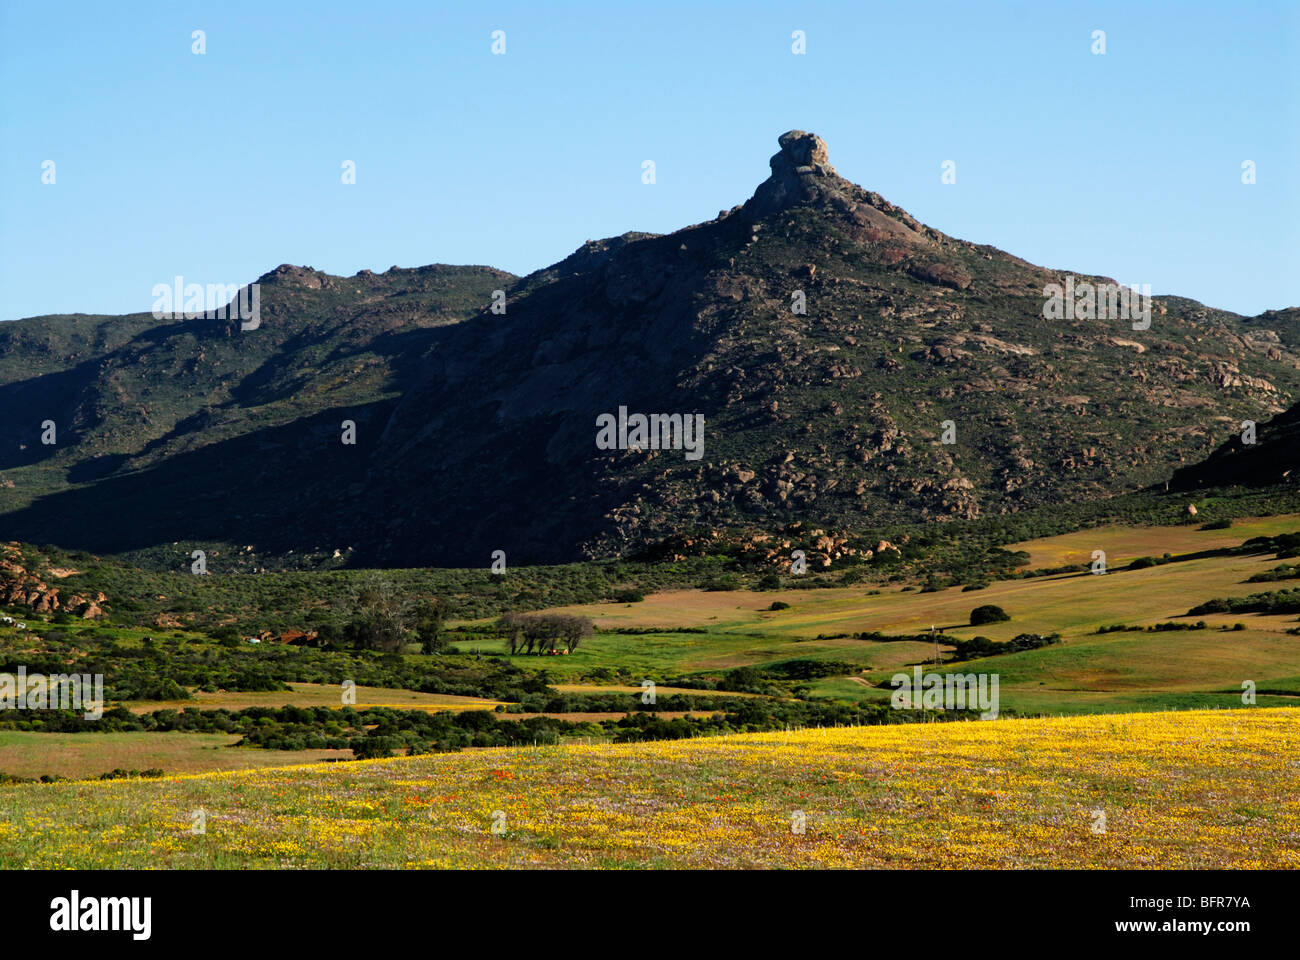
(935, 637)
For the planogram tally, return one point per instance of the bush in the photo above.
(164, 688)
(989, 613)
(979, 647)
(721, 584)
(779, 605)
(373, 747)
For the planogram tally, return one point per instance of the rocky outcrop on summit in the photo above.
(289, 275)
(802, 175)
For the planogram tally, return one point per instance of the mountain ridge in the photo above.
(475, 429)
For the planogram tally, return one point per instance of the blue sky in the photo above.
(221, 166)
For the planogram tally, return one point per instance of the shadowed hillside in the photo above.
(852, 366)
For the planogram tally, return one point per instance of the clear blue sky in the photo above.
(222, 166)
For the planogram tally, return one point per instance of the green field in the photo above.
(1087, 672)
(687, 642)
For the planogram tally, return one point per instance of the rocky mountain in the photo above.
(1257, 455)
(153, 420)
(852, 366)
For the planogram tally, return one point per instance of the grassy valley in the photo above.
(746, 654)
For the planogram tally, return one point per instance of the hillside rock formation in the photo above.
(852, 366)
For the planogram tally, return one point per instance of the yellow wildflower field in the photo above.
(1215, 788)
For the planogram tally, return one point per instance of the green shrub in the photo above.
(718, 584)
(989, 613)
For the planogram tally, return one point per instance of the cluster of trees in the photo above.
(542, 632)
(386, 618)
(1284, 545)
(1280, 601)
(368, 732)
(117, 773)
(167, 667)
(976, 648)
(1153, 628)
(754, 716)
(1287, 571)
(379, 731)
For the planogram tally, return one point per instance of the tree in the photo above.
(989, 613)
(225, 632)
(524, 633)
(429, 617)
(573, 630)
(510, 626)
(380, 615)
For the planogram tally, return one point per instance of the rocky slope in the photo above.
(831, 343)
(24, 583)
(834, 416)
(1257, 455)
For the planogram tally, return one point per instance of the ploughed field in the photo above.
(1217, 788)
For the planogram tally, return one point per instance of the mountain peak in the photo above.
(290, 275)
(801, 175)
